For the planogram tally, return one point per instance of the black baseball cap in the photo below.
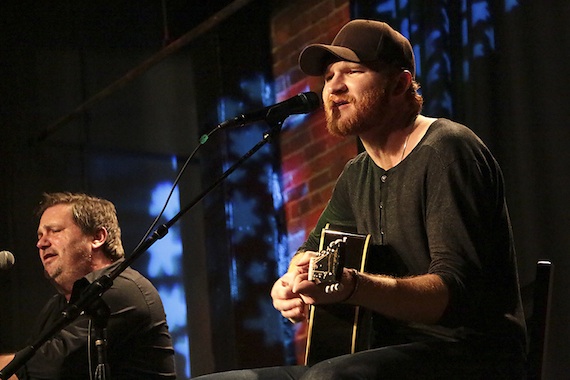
(360, 41)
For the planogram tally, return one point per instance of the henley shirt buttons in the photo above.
(383, 178)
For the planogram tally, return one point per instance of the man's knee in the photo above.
(326, 370)
(245, 374)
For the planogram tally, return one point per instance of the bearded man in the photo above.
(431, 196)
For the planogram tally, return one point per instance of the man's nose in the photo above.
(42, 242)
(336, 85)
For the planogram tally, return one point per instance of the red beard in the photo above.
(365, 113)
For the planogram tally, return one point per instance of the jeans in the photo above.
(483, 359)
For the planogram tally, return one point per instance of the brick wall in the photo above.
(311, 158)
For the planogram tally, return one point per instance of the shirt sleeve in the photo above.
(469, 234)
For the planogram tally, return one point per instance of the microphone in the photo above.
(304, 102)
(6, 260)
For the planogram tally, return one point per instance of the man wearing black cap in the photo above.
(431, 196)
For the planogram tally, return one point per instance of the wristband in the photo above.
(355, 281)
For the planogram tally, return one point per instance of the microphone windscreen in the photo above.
(6, 260)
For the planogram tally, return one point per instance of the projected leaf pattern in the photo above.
(448, 36)
(254, 216)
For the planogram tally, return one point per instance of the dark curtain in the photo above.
(245, 230)
(56, 56)
(499, 68)
(496, 66)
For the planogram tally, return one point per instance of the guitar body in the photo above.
(339, 329)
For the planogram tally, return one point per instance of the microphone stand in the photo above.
(99, 313)
(93, 292)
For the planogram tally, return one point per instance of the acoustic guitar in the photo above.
(337, 329)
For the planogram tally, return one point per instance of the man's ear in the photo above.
(99, 238)
(402, 83)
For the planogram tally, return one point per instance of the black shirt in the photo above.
(139, 344)
(442, 210)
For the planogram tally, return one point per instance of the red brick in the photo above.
(311, 158)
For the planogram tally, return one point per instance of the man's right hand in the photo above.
(288, 303)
